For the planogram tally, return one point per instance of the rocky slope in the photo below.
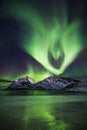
(76, 87)
(55, 83)
(22, 83)
(60, 84)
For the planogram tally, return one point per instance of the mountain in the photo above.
(76, 87)
(55, 83)
(22, 83)
(60, 84)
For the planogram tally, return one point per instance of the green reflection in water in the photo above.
(46, 112)
(39, 115)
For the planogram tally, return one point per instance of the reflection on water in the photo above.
(41, 111)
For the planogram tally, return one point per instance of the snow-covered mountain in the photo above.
(60, 84)
(55, 83)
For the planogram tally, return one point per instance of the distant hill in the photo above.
(4, 83)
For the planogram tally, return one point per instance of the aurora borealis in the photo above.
(45, 38)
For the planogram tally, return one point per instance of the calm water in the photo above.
(42, 111)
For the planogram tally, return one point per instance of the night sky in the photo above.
(23, 37)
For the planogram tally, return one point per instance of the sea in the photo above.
(42, 110)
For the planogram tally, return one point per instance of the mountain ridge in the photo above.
(60, 84)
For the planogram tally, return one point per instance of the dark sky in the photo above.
(14, 60)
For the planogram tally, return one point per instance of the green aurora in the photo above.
(54, 44)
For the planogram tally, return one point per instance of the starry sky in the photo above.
(21, 45)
